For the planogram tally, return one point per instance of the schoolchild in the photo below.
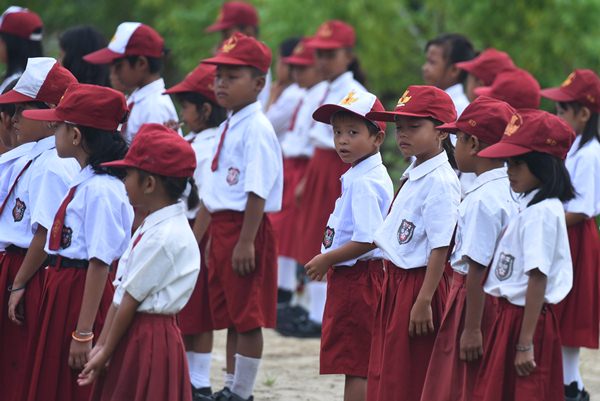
(75, 43)
(516, 87)
(483, 69)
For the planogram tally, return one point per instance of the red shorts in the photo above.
(285, 222)
(321, 190)
(498, 379)
(578, 314)
(398, 363)
(352, 295)
(148, 364)
(244, 303)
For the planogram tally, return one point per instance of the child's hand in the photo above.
(15, 306)
(471, 345)
(525, 362)
(317, 268)
(78, 354)
(93, 367)
(421, 319)
(243, 258)
(299, 191)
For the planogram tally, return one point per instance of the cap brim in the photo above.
(390, 116)
(466, 65)
(218, 26)
(448, 127)
(118, 164)
(102, 56)
(324, 44)
(12, 96)
(503, 150)
(324, 113)
(483, 91)
(178, 88)
(297, 61)
(557, 95)
(224, 60)
(42, 115)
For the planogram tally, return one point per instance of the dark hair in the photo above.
(18, 50)
(551, 171)
(371, 126)
(591, 129)
(103, 146)
(456, 47)
(78, 41)
(358, 73)
(218, 113)
(175, 187)
(9, 108)
(286, 48)
(155, 64)
(446, 145)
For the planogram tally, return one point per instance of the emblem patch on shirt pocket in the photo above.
(233, 176)
(328, 237)
(19, 210)
(405, 232)
(504, 266)
(65, 237)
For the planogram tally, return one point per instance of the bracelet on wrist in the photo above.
(12, 289)
(524, 348)
(75, 336)
(84, 333)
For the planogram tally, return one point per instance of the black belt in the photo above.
(16, 249)
(61, 261)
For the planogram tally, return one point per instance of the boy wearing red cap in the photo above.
(483, 213)
(531, 270)
(516, 87)
(245, 183)
(135, 56)
(348, 256)
(483, 69)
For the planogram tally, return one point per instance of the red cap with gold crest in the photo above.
(488, 65)
(582, 86)
(357, 102)
(242, 50)
(201, 80)
(516, 87)
(302, 54)
(234, 13)
(333, 34)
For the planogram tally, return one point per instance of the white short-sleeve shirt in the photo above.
(281, 111)
(584, 168)
(160, 268)
(423, 215)
(203, 144)
(459, 98)
(535, 238)
(482, 215)
(11, 164)
(250, 161)
(98, 219)
(367, 192)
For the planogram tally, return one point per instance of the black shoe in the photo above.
(235, 397)
(303, 329)
(572, 393)
(290, 316)
(283, 297)
(221, 395)
(201, 394)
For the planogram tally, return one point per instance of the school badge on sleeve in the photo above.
(19, 210)
(504, 266)
(233, 176)
(328, 237)
(405, 232)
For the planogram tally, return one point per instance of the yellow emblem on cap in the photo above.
(113, 38)
(590, 98)
(403, 99)
(472, 122)
(513, 125)
(551, 142)
(229, 44)
(325, 31)
(569, 80)
(349, 99)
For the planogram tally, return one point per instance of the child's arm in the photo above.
(421, 316)
(574, 218)
(201, 223)
(95, 282)
(120, 323)
(31, 263)
(471, 341)
(243, 261)
(534, 300)
(318, 266)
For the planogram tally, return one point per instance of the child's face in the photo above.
(7, 132)
(134, 187)
(576, 120)
(418, 137)
(283, 72)
(129, 76)
(27, 130)
(436, 70)
(237, 87)
(352, 139)
(333, 63)
(464, 152)
(471, 83)
(191, 117)
(3, 56)
(306, 76)
(520, 177)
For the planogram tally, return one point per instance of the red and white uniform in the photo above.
(281, 112)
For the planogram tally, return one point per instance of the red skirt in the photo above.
(196, 316)
(285, 222)
(50, 377)
(321, 190)
(244, 303)
(498, 379)
(578, 314)
(398, 363)
(352, 295)
(15, 340)
(148, 364)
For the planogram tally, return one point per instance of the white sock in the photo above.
(199, 365)
(317, 293)
(570, 356)
(228, 380)
(246, 370)
(286, 274)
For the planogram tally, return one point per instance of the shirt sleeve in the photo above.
(440, 213)
(480, 233)
(263, 162)
(538, 235)
(585, 179)
(46, 193)
(366, 212)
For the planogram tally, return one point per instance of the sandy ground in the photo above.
(290, 371)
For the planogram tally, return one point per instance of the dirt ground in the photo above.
(290, 371)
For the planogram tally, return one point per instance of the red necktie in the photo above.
(124, 126)
(295, 115)
(215, 162)
(136, 240)
(12, 188)
(59, 221)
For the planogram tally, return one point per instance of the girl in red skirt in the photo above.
(89, 231)
(531, 270)
(155, 278)
(414, 238)
(579, 314)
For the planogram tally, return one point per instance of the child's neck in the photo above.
(148, 79)
(365, 157)
(420, 159)
(156, 204)
(483, 165)
(243, 105)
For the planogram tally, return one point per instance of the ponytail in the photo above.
(193, 199)
(449, 148)
(358, 73)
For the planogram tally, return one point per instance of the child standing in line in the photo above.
(577, 103)
(483, 213)
(155, 278)
(531, 270)
(348, 256)
(414, 238)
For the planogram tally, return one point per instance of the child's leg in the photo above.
(355, 388)
(571, 372)
(247, 360)
(286, 279)
(198, 351)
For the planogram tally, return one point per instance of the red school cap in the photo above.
(517, 88)
(130, 39)
(21, 22)
(531, 130)
(357, 102)
(44, 80)
(488, 65)
(201, 80)
(333, 34)
(88, 105)
(420, 101)
(234, 13)
(582, 86)
(242, 50)
(485, 118)
(159, 150)
(302, 55)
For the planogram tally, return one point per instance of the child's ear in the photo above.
(442, 135)
(77, 135)
(474, 145)
(259, 83)
(454, 72)
(379, 138)
(6, 120)
(205, 111)
(141, 62)
(584, 114)
(149, 184)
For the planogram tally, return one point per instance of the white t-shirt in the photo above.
(280, 113)
(584, 168)
(98, 219)
(161, 269)
(482, 215)
(250, 161)
(423, 215)
(535, 238)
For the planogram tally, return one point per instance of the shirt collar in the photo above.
(41, 146)
(455, 90)
(415, 172)
(17, 152)
(362, 168)
(525, 199)
(488, 176)
(153, 87)
(86, 173)
(243, 113)
(574, 146)
(161, 215)
(342, 81)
